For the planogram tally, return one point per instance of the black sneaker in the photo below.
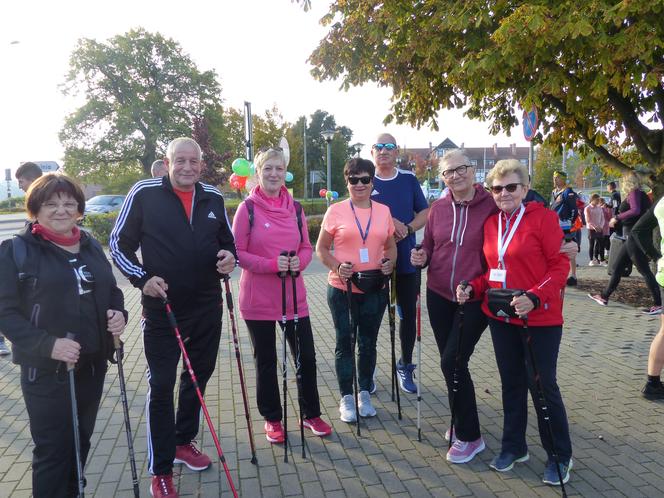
(653, 391)
(571, 281)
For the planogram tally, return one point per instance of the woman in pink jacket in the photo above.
(265, 225)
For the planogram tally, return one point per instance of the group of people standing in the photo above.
(63, 309)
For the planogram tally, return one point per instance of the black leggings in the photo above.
(407, 284)
(630, 253)
(263, 339)
(444, 318)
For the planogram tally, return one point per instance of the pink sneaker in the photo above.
(318, 426)
(162, 486)
(462, 451)
(274, 431)
(192, 457)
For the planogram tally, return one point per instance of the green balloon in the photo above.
(241, 167)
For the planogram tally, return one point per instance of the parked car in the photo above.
(104, 204)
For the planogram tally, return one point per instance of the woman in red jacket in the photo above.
(522, 252)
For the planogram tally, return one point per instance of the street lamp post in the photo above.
(357, 147)
(328, 135)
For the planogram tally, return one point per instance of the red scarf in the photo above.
(62, 240)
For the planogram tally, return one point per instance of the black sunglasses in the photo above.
(353, 180)
(510, 187)
(380, 147)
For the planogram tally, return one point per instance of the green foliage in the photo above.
(314, 224)
(122, 181)
(100, 225)
(13, 205)
(593, 68)
(140, 92)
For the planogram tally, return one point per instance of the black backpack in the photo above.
(298, 214)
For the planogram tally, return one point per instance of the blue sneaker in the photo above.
(551, 473)
(405, 376)
(505, 461)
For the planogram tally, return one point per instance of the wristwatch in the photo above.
(411, 231)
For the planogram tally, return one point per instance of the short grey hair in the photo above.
(265, 155)
(158, 166)
(174, 144)
(452, 154)
(506, 167)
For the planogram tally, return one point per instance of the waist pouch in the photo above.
(499, 302)
(369, 281)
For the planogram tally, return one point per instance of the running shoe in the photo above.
(162, 486)
(347, 409)
(505, 461)
(192, 457)
(463, 452)
(598, 299)
(405, 376)
(653, 391)
(274, 431)
(551, 472)
(318, 426)
(366, 408)
(571, 281)
(653, 310)
(4, 349)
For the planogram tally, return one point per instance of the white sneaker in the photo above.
(366, 409)
(347, 408)
(593, 263)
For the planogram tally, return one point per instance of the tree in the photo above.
(141, 91)
(593, 68)
(214, 172)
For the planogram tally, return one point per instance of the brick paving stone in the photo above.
(601, 369)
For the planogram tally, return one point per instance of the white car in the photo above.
(104, 204)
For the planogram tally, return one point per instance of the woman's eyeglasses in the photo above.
(69, 206)
(353, 180)
(459, 170)
(510, 187)
(380, 147)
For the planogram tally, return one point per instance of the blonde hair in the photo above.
(174, 144)
(453, 154)
(506, 167)
(266, 155)
(630, 181)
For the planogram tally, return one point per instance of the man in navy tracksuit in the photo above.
(185, 239)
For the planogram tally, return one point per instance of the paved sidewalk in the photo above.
(618, 437)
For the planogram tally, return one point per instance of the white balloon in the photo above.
(283, 143)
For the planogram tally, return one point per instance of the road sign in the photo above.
(530, 123)
(8, 175)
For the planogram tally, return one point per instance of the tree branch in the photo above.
(638, 132)
(582, 129)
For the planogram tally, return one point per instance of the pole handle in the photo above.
(71, 336)
(282, 274)
(294, 274)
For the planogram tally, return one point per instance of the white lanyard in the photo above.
(503, 244)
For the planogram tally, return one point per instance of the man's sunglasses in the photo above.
(380, 147)
(353, 180)
(510, 187)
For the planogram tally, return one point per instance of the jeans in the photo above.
(370, 309)
(263, 339)
(517, 378)
(445, 322)
(407, 284)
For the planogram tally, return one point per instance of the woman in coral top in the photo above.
(259, 243)
(362, 234)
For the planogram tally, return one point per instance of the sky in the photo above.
(258, 48)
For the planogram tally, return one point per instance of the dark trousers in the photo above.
(517, 377)
(445, 320)
(630, 253)
(165, 428)
(263, 339)
(368, 310)
(48, 402)
(595, 248)
(407, 284)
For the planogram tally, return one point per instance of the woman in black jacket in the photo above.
(59, 305)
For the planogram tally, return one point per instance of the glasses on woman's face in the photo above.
(380, 147)
(510, 187)
(459, 170)
(353, 180)
(69, 206)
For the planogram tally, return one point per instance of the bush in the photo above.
(100, 225)
(314, 224)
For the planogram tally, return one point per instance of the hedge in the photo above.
(100, 225)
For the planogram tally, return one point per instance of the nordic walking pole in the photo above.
(74, 417)
(392, 317)
(419, 347)
(185, 357)
(353, 339)
(542, 402)
(238, 358)
(284, 366)
(298, 364)
(455, 376)
(119, 355)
